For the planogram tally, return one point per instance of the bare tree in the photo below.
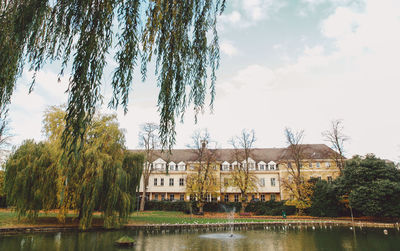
(149, 141)
(336, 138)
(203, 182)
(293, 157)
(242, 177)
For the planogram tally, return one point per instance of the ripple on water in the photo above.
(222, 236)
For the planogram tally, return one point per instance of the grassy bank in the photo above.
(9, 219)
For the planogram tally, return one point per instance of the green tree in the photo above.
(180, 37)
(105, 177)
(325, 201)
(372, 185)
(31, 179)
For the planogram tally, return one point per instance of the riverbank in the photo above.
(177, 221)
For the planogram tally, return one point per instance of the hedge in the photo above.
(270, 208)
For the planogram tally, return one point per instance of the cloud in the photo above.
(228, 48)
(247, 13)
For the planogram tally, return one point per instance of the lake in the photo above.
(285, 238)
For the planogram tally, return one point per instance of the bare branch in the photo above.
(336, 138)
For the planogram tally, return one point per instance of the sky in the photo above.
(284, 63)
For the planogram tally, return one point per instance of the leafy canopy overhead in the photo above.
(180, 36)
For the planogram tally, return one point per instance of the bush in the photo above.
(222, 207)
(191, 207)
(325, 202)
(156, 205)
(270, 208)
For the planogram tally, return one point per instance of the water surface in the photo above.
(273, 238)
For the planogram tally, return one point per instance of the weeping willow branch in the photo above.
(179, 36)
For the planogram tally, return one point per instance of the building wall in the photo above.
(327, 168)
(320, 168)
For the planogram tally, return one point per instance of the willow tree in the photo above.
(105, 177)
(179, 37)
(31, 179)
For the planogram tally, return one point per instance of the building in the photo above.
(269, 165)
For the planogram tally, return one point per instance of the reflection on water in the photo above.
(273, 238)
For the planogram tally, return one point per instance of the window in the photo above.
(318, 165)
(262, 167)
(191, 167)
(289, 165)
(252, 166)
(191, 197)
(253, 197)
(310, 164)
(172, 166)
(182, 197)
(181, 181)
(156, 196)
(328, 164)
(225, 166)
(262, 182)
(214, 199)
(236, 197)
(171, 182)
(262, 197)
(329, 179)
(226, 198)
(181, 166)
(162, 196)
(171, 197)
(226, 181)
(155, 181)
(272, 182)
(271, 166)
(162, 182)
(273, 197)
(209, 197)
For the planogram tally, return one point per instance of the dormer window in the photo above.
(271, 165)
(159, 164)
(250, 162)
(172, 166)
(181, 166)
(262, 166)
(235, 165)
(225, 166)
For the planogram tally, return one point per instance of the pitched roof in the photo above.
(311, 151)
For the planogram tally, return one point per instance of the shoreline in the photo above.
(212, 226)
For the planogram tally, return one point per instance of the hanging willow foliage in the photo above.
(105, 178)
(31, 179)
(180, 36)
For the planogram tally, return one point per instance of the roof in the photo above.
(311, 151)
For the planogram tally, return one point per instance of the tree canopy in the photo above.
(372, 185)
(105, 177)
(179, 36)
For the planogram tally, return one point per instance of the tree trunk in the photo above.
(244, 202)
(143, 200)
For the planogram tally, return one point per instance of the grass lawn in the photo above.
(163, 217)
(9, 218)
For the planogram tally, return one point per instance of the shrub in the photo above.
(181, 206)
(270, 208)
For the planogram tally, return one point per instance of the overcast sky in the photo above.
(284, 63)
